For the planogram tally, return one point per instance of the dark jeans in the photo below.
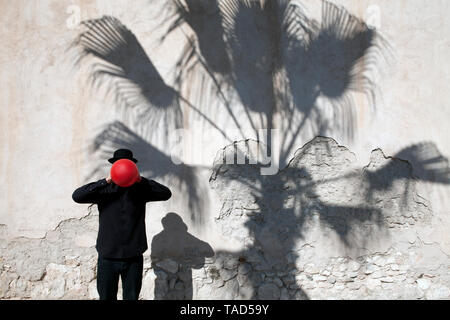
(108, 272)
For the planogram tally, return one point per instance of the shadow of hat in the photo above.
(174, 222)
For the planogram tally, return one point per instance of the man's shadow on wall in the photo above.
(175, 252)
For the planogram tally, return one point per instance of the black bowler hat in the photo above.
(122, 154)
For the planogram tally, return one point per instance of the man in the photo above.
(121, 237)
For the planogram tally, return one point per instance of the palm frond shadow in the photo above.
(428, 162)
(205, 19)
(281, 61)
(332, 60)
(123, 67)
(418, 162)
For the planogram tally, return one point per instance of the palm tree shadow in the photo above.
(175, 252)
(281, 62)
(275, 59)
(332, 60)
(276, 211)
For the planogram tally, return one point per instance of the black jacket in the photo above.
(121, 231)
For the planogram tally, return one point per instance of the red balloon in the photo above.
(124, 173)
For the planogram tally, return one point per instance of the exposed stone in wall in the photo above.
(321, 183)
(60, 265)
(322, 228)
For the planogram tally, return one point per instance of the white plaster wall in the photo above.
(49, 114)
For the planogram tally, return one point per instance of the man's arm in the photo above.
(153, 191)
(91, 192)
